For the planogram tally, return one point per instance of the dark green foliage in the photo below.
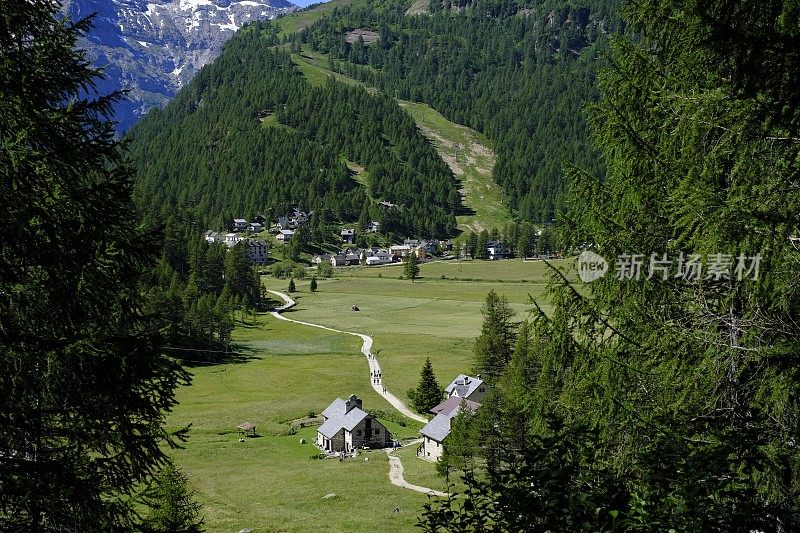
(209, 150)
(313, 285)
(520, 77)
(494, 345)
(325, 269)
(84, 387)
(686, 392)
(428, 393)
(171, 507)
(546, 488)
(411, 267)
(291, 287)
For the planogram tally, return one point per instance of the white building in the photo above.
(232, 239)
(285, 235)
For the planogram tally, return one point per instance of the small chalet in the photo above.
(383, 204)
(239, 224)
(285, 235)
(213, 237)
(338, 260)
(467, 387)
(437, 430)
(348, 235)
(261, 219)
(374, 227)
(256, 227)
(319, 259)
(496, 250)
(348, 427)
(299, 218)
(232, 239)
(283, 223)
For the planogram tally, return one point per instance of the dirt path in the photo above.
(395, 465)
(396, 474)
(376, 377)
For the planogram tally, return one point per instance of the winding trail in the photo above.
(395, 465)
(366, 347)
(396, 474)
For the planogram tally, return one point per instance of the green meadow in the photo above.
(284, 372)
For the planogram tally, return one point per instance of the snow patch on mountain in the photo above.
(151, 48)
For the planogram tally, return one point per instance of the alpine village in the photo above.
(400, 265)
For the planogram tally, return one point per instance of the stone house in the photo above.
(347, 427)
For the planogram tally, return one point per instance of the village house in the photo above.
(383, 204)
(232, 239)
(348, 235)
(285, 235)
(436, 431)
(283, 223)
(400, 250)
(256, 227)
(496, 250)
(347, 427)
(261, 219)
(374, 227)
(214, 237)
(467, 387)
(324, 258)
(377, 257)
(352, 257)
(239, 224)
(338, 260)
(258, 251)
(299, 218)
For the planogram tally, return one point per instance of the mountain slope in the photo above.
(250, 135)
(520, 73)
(153, 47)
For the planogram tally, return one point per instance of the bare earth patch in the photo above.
(370, 37)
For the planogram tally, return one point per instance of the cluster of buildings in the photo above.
(257, 248)
(347, 427)
(374, 256)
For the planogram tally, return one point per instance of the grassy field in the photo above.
(294, 22)
(432, 317)
(471, 158)
(270, 483)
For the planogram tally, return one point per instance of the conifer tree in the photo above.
(170, 504)
(313, 284)
(495, 344)
(411, 267)
(291, 287)
(428, 393)
(83, 381)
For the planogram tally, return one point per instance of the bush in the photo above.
(299, 272)
(325, 270)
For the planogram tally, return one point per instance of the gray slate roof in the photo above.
(338, 419)
(463, 386)
(438, 428)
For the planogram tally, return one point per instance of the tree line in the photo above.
(521, 74)
(208, 150)
(636, 404)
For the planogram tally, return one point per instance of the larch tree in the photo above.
(84, 387)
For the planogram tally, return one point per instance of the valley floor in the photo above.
(288, 370)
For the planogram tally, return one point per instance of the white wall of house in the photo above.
(431, 449)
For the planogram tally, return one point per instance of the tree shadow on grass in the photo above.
(215, 355)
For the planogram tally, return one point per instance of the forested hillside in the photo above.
(249, 135)
(520, 73)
